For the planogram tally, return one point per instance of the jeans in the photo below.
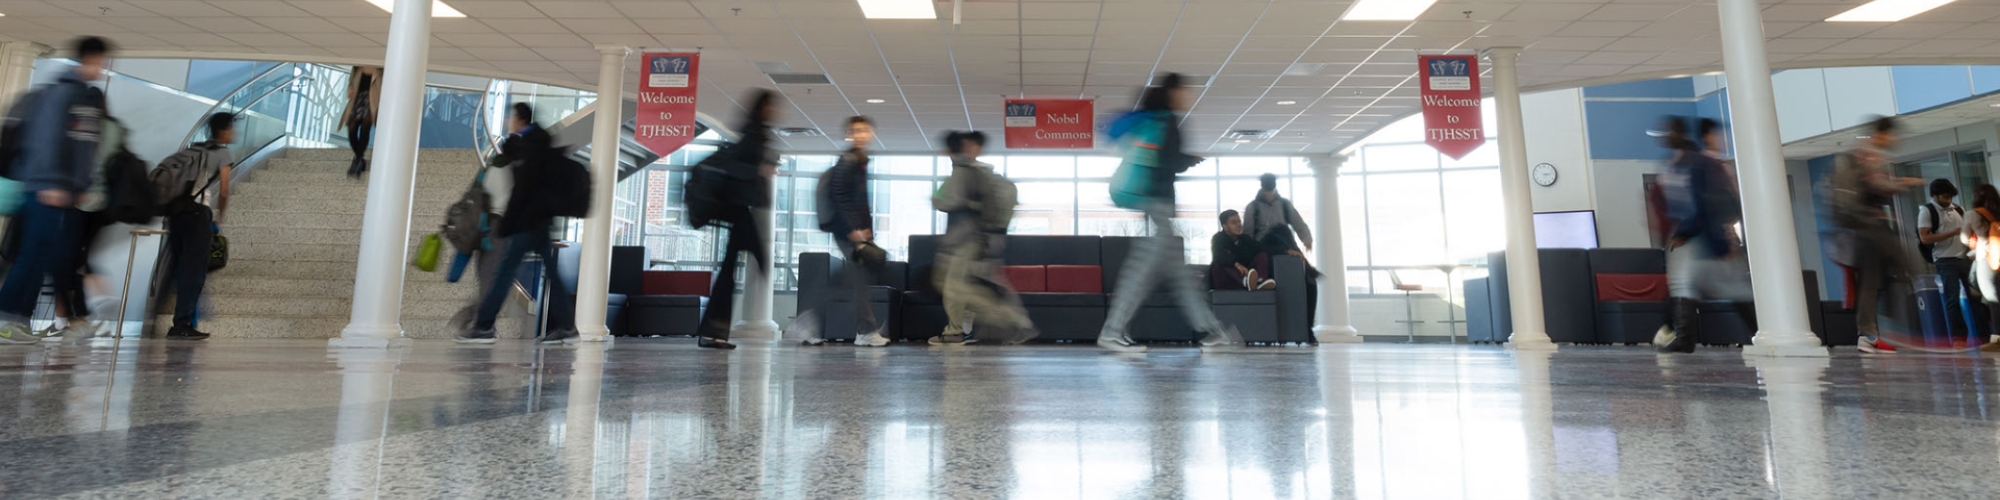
(1881, 267)
(860, 278)
(561, 304)
(1151, 258)
(47, 246)
(1955, 273)
(743, 237)
(190, 232)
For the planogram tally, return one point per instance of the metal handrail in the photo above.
(232, 92)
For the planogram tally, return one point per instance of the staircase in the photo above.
(294, 230)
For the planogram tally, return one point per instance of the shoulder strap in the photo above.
(1934, 215)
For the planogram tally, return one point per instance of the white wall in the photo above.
(1555, 135)
(1621, 201)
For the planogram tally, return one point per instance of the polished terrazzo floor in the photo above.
(659, 419)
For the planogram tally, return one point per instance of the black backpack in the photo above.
(1926, 248)
(568, 184)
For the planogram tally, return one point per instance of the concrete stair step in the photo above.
(227, 326)
(249, 268)
(242, 217)
(296, 252)
(354, 192)
(258, 234)
(287, 173)
(344, 155)
(353, 207)
(229, 303)
(414, 287)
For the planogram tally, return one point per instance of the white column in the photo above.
(1794, 393)
(1760, 175)
(1330, 325)
(17, 69)
(757, 296)
(580, 422)
(593, 283)
(385, 220)
(1524, 263)
(361, 422)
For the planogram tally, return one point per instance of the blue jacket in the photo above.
(60, 135)
(1707, 209)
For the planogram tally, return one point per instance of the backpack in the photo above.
(10, 130)
(823, 205)
(569, 184)
(129, 194)
(177, 180)
(465, 223)
(1926, 248)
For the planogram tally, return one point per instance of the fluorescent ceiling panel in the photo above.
(1387, 10)
(438, 8)
(1886, 11)
(898, 9)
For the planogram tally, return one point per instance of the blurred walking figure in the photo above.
(1868, 246)
(725, 189)
(842, 203)
(364, 98)
(1272, 220)
(1705, 257)
(1151, 138)
(979, 205)
(1982, 236)
(59, 132)
(530, 212)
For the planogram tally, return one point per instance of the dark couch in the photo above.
(818, 275)
(626, 261)
(668, 302)
(1615, 295)
(1065, 284)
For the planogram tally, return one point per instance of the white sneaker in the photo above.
(75, 331)
(1223, 339)
(1119, 342)
(1268, 285)
(805, 329)
(877, 338)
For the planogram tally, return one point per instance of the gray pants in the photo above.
(860, 280)
(1883, 280)
(1151, 259)
(1692, 273)
(486, 263)
(973, 291)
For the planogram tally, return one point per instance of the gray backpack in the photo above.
(177, 181)
(465, 223)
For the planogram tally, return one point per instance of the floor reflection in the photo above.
(662, 420)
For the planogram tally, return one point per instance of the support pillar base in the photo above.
(1530, 342)
(763, 330)
(359, 342)
(1343, 334)
(1786, 345)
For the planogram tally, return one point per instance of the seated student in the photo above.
(1238, 262)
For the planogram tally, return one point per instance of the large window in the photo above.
(1060, 194)
(1412, 214)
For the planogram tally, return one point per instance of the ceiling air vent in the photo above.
(1249, 134)
(800, 79)
(800, 132)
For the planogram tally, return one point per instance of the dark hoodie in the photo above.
(527, 153)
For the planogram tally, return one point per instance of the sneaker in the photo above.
(951, 339)
(1267, 285)
(1990, 347)
(185, 333)
(713, 343)
(813, 341)
(1668, 342)
(805, 328)
(1874, 346)
(1119, 342)
(77, 331)
(564, 336)
(18, 334)
(475, 336)
(877, 338)
(1225, 338)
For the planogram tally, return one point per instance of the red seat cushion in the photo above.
(1631, 287)
(1027, 279)
(675, 282)
(1076, 279)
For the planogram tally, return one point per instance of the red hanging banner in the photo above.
(667, 84)
(1051, 124)
(1451, 101)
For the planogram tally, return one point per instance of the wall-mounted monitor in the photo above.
(1566, 229)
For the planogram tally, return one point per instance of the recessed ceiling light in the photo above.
(898, 9)
(1883, 11)
(876, 101)
(1242, 141)
(438, 8)
(1287, 103)
(1387, 10)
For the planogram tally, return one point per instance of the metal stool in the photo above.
(1409, 302)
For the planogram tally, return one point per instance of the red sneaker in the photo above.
(1875, 346)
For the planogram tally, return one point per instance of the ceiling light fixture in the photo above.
(1287, 103)
(1242, 141)
(1886, 11)
(898, 9)
(1387, 10)
(876, 101)
(438, 8)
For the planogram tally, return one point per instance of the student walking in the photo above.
(527, 152)
(364, 98)
(1868, 245)
(1940, 235)
(1982, 237)
(844, 211)
(1151, 138)
(978, 205)
(1272, 220)
(1705, 258)
(732, 184)
(60, 133)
